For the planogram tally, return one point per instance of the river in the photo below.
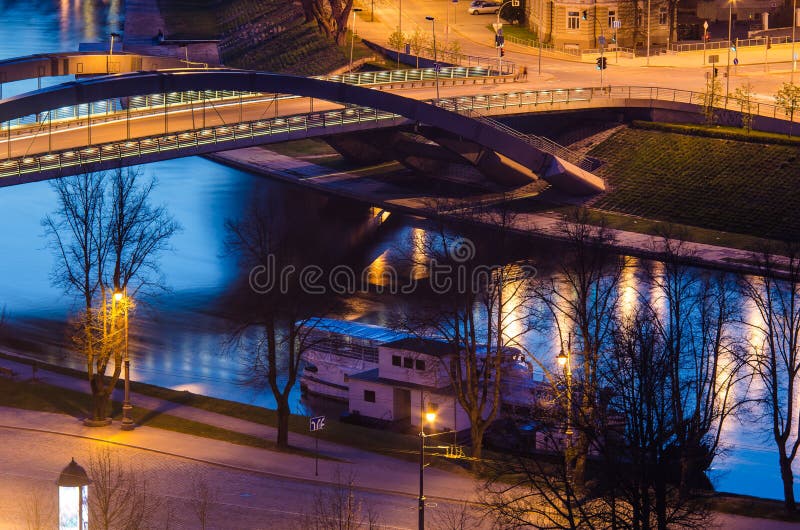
(182, 346)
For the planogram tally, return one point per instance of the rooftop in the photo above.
(357, 330)
(437, 348)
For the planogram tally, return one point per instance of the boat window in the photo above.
(420, 364)
(311, 368)
(395, 360)
(408, 362)
(369, 396)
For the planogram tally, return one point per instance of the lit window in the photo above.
(573, 20)
(369, 396)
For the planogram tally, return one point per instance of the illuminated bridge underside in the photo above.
(389, 110)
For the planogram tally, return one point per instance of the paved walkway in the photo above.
(371, 468)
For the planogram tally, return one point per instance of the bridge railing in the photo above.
(195, 138)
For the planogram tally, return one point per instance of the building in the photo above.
(582, 25)
(411, 379)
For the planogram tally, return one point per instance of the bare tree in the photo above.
(39, 509)
(694, 313)
(330, 15)
(774, 351)
(581, 298)
(478, 311)
(106, 236)
(278, 302)
(204, 496)
(120, 497)
(337, 507)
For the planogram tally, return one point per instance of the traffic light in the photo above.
(733, 48)
(584, 15)
(769, 43)
(502, 52)
(716, 71)
(600, 63)
(603, 63)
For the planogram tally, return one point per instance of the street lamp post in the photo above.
(648, 32)
(353, 36)
(794, 25)
(110, 52)
(730, 43)
(73, 498)
(435, 60)
(565, 361)
(430, 417)
(127, 421)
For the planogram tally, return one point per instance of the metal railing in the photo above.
(724, 44)
(463, 59)
(473, 106)
(101, 110)
(187, 139)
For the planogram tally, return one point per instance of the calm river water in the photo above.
(185, 348)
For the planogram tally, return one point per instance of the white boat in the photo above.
(336, 348)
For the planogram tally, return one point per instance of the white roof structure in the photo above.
(357, 330)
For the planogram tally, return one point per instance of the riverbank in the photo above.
(366, 185)
(339, 444)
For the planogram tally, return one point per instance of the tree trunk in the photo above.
(476, 435)
(283, 422)
(788, 484)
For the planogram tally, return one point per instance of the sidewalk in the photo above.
(371, 469)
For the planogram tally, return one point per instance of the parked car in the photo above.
(481, 7)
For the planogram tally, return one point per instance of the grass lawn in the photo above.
(519, 32)
(76, 404)
(48, 398)
(723, 185)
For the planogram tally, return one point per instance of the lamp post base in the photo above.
(127, 423)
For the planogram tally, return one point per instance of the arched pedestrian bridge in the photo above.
(79, 143)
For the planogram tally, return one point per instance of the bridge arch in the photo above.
(560, 173)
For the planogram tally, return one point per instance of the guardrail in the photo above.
(528, 100)
(182, 140)
(724, 44)
(138, 104)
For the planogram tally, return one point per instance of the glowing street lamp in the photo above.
(430, 417)
(73, 498)
(564, 362)
(353, 36)
(127, 422)
(435, 60)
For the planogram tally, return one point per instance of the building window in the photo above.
(612, 17)
(420, 364)
(662, 16)
(369, 396)
(408, 362)
(395, 360)
(573, 20)
(640, 19)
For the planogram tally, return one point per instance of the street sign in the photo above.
(713, 59)
(317, 423)
(617, 24)
(498, 27)
(735, 61)
(602, 40)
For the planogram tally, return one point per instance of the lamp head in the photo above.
(117, 295)
(430, 416)
(562, 358)
(429, 18)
